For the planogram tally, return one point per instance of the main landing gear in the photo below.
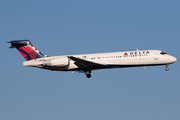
(167, 68)
(88, 73)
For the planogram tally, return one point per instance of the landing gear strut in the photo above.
(88, 73)
(167, 68)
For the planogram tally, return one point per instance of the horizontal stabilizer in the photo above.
(12, 46)
(18, 42)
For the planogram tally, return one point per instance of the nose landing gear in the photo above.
(167, 68)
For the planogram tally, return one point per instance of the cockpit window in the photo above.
(162, 53)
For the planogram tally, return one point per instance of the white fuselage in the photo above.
(108, 60)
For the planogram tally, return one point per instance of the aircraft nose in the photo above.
(173, 59)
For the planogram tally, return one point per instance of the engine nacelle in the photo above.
(57, 62)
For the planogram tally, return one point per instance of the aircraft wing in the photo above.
(84, 64)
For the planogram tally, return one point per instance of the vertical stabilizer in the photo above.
(27, 50)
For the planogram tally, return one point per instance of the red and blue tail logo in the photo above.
(26, 49)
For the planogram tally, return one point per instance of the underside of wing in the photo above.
(84, 64)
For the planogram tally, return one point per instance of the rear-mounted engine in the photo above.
(57, 62)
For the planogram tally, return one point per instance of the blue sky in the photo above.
(77, 27)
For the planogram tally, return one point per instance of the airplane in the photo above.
(88, 62)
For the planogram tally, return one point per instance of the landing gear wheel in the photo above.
(88, 75)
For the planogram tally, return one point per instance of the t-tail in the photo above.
(27, 50)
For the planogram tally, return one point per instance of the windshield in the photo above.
(162, 53)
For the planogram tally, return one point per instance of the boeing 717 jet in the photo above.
(88, 62)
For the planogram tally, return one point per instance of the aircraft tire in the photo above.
(88, 75)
